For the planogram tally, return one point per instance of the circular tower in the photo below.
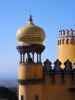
(66, 46)
(30, 46)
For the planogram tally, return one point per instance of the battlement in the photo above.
(57, 75)
(66, 37)
(66, 32)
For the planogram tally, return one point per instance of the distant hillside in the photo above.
(8, 83)
(8, 94)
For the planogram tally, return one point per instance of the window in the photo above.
(62, 41)
(36, 97)
(22, 97)
(67, 41)
(59, 42)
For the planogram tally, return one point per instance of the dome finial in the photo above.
(30, 18)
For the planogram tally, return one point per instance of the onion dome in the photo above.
(30, 34)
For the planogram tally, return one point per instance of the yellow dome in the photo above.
(30, 33)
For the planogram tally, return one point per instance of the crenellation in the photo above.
(66, 37)
(66, 32)
(56, 75)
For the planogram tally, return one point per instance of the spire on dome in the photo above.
(30, 19)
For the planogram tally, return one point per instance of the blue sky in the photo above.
(49, 14)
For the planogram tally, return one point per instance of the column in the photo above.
(20, 57)
(23, 57)
(33, 56)
(40, 58)
(37, 58)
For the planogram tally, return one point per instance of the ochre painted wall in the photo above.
(66, 51)
(46, 90)
(30, 71)
(49, 90)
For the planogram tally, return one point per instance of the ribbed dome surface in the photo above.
(30, 34)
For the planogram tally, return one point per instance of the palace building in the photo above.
(38, 80)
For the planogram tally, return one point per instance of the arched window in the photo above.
(62, 41)
(67, 41)
(59, 42)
